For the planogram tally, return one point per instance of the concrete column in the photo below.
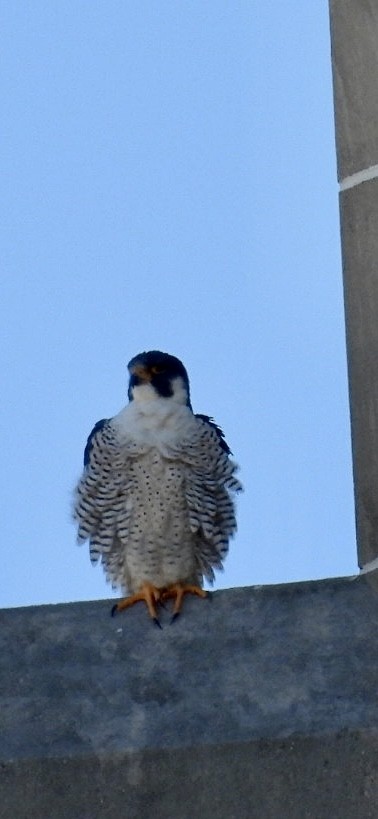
(354, 36)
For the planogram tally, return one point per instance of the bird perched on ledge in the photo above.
(155, 497)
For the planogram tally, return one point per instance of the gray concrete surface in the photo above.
(359, 226)
(259, 703)
(354, 34)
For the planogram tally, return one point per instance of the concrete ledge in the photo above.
(261, 698)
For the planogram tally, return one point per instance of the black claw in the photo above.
(114, 610)
(157, 622)
(175, 616)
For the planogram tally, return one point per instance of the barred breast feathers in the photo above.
(105, 492)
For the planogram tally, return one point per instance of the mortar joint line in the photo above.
(358, 178)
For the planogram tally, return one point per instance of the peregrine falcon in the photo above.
(155, 497)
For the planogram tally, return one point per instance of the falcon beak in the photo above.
(141, 372)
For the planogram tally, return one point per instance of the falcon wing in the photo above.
(211, 483)
(222, 441)
(100, 425)
(100, 505)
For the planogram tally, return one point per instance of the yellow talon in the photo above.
(147, 594)
(177, 592)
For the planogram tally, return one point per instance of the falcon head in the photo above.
(158, 375)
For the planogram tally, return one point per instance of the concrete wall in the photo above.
(259, 703)
(354, 32)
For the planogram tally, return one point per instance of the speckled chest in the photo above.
(159, 482)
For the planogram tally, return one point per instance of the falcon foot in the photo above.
(177, 592)
(148, 594)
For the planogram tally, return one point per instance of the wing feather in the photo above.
(211, 483)
(100, 504)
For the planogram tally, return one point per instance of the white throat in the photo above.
(146, 392)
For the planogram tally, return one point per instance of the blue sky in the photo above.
(169, 181)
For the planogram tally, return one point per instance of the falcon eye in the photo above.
(157, 369)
